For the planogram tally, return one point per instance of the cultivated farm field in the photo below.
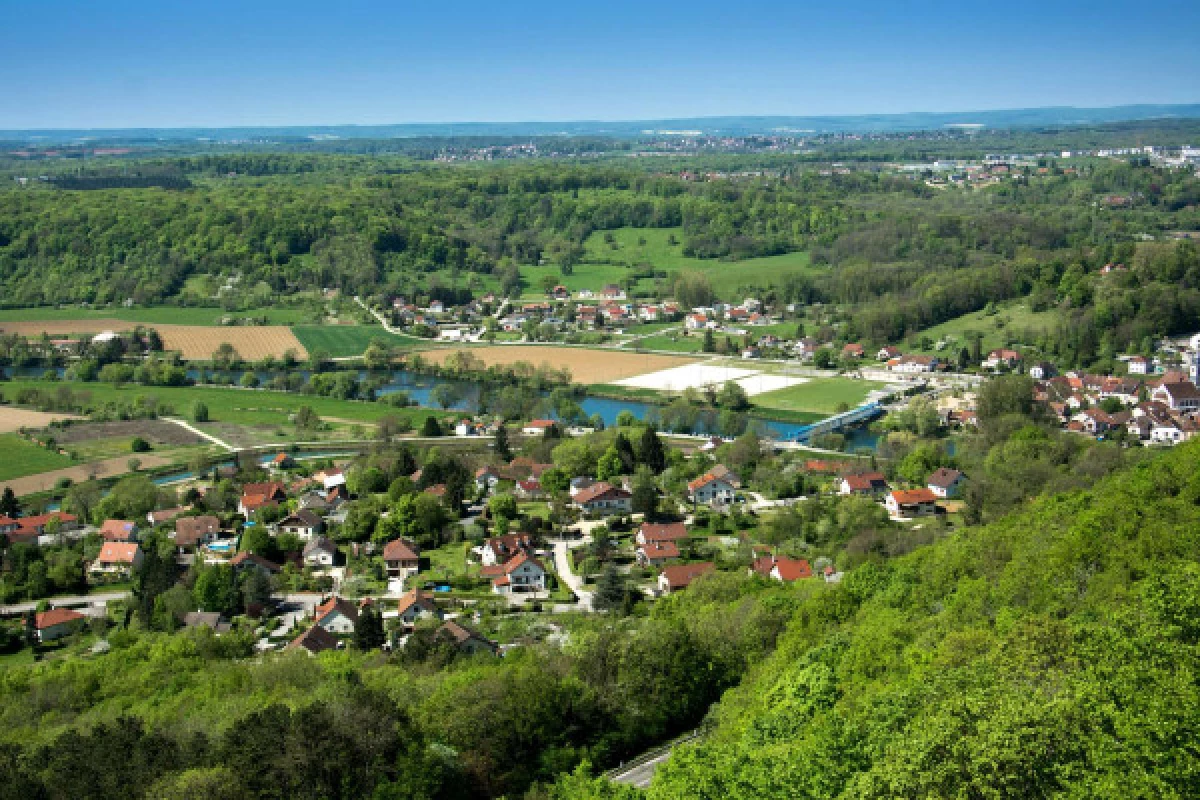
(585, 365)
(195, 342)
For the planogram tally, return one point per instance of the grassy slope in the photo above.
(1011, 322)
(726, 276)
(155, 315)
(23, 457)
(1051, 653)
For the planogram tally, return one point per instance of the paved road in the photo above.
(641, 775)
(562, 562)
(100, 598)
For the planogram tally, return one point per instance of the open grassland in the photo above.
(642, 249)
(241, 406)
(818, 395)
(23, 457)
(13, 419)
(673, 341)
(154, 315)
(1012, 323)
(344, 341)
(585, 365)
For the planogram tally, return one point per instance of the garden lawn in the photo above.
(22, 457)
(449, 561)
(820, 395)
(669, 342)
(344, 341)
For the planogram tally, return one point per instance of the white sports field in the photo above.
(676, 379)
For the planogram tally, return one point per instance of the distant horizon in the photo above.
(1124, 112)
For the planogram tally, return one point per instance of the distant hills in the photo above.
(1027, 118)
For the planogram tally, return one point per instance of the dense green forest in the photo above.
(901, 255)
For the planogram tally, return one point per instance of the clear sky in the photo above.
(171, 63)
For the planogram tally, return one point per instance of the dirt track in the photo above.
(12, 419)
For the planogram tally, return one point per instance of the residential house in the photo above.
(320, 552)
(118, 530)
(695, 322)
(579, 484)
(1004, 357)
(500, 549)
(786, 570)
(117, 559)
(680, 576)
(945, 482)
(911, 503)
(304, 523)
(465, 640)
(56, 623)
(887, 353)
(1179, 396)
(313, 501)
(708, 488)
(724, 473)
(486, 478)
(336, 615)
(612, 291)
(192, 532)
(522, 573)
(206, 619)
(164, 516)
(243, 561)
(313, 641)
(853, 351)
(415, 604)
(528, 489)
(655, 554)
(1041, 371)
(537, 427)
(401, 558)
(651, 532)
(866, 483)
(603, 498)
(1138, 365)
(913, 364)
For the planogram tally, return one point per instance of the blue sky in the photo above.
(167, 63)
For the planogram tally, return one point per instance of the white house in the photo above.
(603, 498)
(336, 615)
(709, 488)
(911, 503)
(415, 604)
(522, 573)
(537, 427)
(945, 482)
(320, 552)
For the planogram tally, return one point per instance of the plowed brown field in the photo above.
(586, 366)
(196, 342)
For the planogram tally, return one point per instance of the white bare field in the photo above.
(698, 376)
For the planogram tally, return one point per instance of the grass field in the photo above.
(23, 457)
(238, 406)
(727, 277)
(818, 395)
(178, 315)
(1008, 325)
(343, 341)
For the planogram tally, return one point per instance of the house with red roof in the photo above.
(118, 530)
(911, 503)
(537, 427)
(521, 573)
(117, 559)
(499, 549)
(56, 623)
(655, 554)
(336, 615)
(415, 604)
(711, 489)
(786, 570)
(864, 483)
(402, 558)
(603, 498)
(661, 532)
(680, 576)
